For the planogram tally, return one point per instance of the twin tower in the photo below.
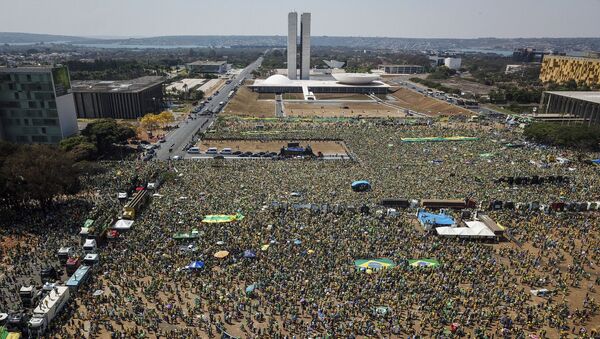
(292, 46)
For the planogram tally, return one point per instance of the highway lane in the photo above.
(179, 139)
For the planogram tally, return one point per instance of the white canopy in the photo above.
(474, 229)
(123, 224)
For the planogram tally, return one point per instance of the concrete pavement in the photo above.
(181, 138)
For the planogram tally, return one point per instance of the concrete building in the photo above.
(453, 63)
(127, 99)
(344, 83)
(583, 105)
(205, 67)
(402, 69)
(36, 105)
(292, 45)
(305, 46)
(561, 69)
(334, 63)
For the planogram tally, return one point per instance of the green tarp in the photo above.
(438, 139)
(219, 218)
(88, 223)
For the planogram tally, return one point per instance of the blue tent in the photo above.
(249, 254)
(435, 220)
(596, 161)
(361, 186)
(250, 288)
(196, 265)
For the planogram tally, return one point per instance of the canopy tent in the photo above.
(474, 229)
(219, 218)
(195, 265)
(431, 220)
(221, 254)
(374, 264)
(361, 186)
(438, 139)
(191, 235)
(423, 263)
(123, 224)
(249, 254)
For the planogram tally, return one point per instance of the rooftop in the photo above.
(28, 69)
(579, 95)
(283, 81)
(207, 63)
(120, 86)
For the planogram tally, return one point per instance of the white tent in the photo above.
(123, 224)
(474, 229)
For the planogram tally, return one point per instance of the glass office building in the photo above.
(36, 105)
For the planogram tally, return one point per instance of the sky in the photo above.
(382, 18)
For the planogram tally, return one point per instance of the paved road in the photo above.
(279, 112)
(180, 138)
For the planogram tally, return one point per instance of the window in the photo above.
(39, 138)
(43, 130)
(22, 139)
(28, 77)
(17, 95)
(26, 121)
(52, 104)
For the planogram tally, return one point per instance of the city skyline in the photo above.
(408, 19)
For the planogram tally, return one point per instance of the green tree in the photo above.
(106, 133)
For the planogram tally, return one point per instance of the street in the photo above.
(180, 138)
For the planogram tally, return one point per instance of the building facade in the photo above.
(292, 45)
(305, 46)
(584, 105)
(453, 63)
(36, 105)
(561, 69)
(202, 67)
(402, 69)
(128, 99)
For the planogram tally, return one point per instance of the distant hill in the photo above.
(556, 44)
(23, 38)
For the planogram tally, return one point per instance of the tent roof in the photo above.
(474, 229)
(435, 219)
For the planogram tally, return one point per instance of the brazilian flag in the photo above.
(220, 218)
(423, 263)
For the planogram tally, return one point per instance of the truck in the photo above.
(29, 295)
(47, 310)
(73, 264)
(135, 205)
(79, 277)
(89, 246)
(450, 203)
(64, 253)
(230, 94)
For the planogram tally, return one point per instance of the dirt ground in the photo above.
(420, 103)
(467, 86)
(325, 147)
(342, 109)
(247, 103)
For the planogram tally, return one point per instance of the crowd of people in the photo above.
(301, 281)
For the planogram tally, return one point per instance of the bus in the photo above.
(79, 277)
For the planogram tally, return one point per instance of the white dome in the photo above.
(355, 78)
(277, 80)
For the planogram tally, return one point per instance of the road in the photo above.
(180, 138)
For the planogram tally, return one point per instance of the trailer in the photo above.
(448, 203)
(29, 295)
(135, 204)
(47, 310)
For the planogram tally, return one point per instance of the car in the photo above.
(212, 150)
(176, 157)
(249, 154)
(193, 150)
(243, 155)
(162, 140)
(273, 154)
(259, 154)
(266, 155)
(237, 153)
(144, 142)
(226, 151)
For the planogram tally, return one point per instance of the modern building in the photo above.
(127, 99)
(334, 63)
(305, 46)
(453, 63)
(36, 105)
(402, 69)
(561, 69)
(205, 67)
(292, 45)
(583, 105)
(344, 83)
(527, 55)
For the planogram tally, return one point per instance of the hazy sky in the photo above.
(392, 18)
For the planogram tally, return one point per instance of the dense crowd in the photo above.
(305, 283)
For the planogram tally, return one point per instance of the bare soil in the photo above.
(421, 103)
(343, 109)
(247, 103)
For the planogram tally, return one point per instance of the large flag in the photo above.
(217, 218)
(424, 263)
(374, 264)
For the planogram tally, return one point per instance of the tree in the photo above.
(107, 132)
(150, 121)
(39, 173)
(166, 118)
(80, 147)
